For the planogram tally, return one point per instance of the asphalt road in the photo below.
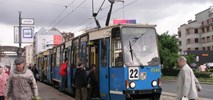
(170, 86)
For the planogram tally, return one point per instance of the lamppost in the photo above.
(19, 51)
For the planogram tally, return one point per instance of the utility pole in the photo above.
(19, 52)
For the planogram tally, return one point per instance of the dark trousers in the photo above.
(1, 97)
(63, 83)
(81, 93)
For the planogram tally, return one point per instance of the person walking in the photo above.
(3, 82)
(63, 74)
(35, 72)
(187, 83)
(21, 83)
(80, 82)
(7, 70)
(93, 89)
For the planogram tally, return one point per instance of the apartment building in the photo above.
(28, 54)
(197, 34)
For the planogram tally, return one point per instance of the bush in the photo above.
(170, 72)
(210, 70)
(203, 74)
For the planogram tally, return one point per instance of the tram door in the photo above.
(104, 68)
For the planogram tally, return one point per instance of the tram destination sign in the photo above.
(27, 21)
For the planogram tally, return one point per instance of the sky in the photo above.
(76, 15)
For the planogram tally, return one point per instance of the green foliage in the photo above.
(190, 58)
(168, 48)
(170, 72)
(210, 70)
(203, 74)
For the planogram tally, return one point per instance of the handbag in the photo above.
(198, 86)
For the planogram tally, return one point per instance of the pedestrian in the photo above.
(63, 74)
(80, 82)
(35, 72)
(93, 88)
(3, 82)
(7, 70)
(21, 83)
(187, 83)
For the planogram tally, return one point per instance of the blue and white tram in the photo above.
(126, 58)
(128, 61)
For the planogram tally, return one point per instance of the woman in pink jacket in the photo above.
(3, 82)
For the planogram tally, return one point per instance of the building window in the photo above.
(189, 49)
(204, 48)
(207, 22)
(202, 23)
(188, 41)
(203, 40)
(196, 31)
(196, 40)
(208, 38)
(212, 28)
(203, 30)
(207, 29)
(212, 37)
(208, 48)
(180, 43)
(196, 48)
(179, 34)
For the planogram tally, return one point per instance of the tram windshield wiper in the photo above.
(133, 54)
(130, 50)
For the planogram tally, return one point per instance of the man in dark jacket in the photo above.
(93, 89)
(80, 82)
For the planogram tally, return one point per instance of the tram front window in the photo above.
(140, 47)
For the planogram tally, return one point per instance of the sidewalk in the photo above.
(172, 96)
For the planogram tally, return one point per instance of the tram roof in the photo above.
(122, 25)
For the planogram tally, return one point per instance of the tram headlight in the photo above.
(132, 85)
(154, 83)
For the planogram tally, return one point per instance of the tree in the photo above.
(168, 48)
(190, 58)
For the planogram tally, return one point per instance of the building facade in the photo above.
(46, 39)
(28, 54)
(197, 34)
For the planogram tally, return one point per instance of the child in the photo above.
(3, 82)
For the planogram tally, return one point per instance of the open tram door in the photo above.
(104, 68)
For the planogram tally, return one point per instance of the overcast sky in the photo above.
(76, 15)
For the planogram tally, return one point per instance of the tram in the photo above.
(126, 57)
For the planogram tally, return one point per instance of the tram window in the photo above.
(116, 48)
(103, 54)
(75, 52)
(58, 57)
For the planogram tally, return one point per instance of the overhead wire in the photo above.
(59, 15)
(100, 9)
(70, 12)
(112, 12)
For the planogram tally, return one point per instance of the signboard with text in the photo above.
(27, 21)
(27, 34)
